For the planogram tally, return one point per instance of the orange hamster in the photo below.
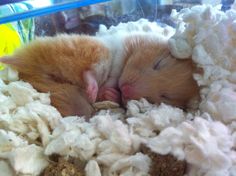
(151, 72)
(78, 70)
(70, 67)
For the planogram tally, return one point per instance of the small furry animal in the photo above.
(64, 66)
(78, 70)
(151, 72)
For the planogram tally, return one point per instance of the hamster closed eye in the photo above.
(151, 72)
(63, 66)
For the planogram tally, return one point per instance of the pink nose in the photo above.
(126, 91)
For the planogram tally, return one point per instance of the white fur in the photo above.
(114, 38)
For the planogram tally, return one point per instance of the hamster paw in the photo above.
(110, 94)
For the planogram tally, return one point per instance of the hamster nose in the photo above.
(126, 91)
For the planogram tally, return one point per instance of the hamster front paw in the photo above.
(110, 94)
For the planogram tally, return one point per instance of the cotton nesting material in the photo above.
(109, 143)
(26, 118)
(208, 36)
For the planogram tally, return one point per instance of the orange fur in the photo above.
(171, 81)
(56, 65)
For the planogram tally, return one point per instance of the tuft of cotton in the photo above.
(25, 111)
(9, 74)
(116, 132)
(73, 137)
(211, 35)
(23, 158)
(199, 142)
(110, 140)
(153, 117)
(180, 48)
(142, 25)
(114, 37)
(138, 162)
(92, 169)
(27, 159)
(21, 92)
(32, 120)
(220, 102)
(5, 168)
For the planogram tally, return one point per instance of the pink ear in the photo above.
(91, 86)
(10, 60)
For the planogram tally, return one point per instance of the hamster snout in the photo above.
(127, 91)
(151, 72)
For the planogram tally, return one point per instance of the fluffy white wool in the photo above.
(199, 142)
(23, 157)
(5, 168)
(110, 141)
(25, 117)
(145, 119)
(210, 40)
(74, 137)
(92, 169)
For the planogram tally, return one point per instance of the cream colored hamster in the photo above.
(79, 70)
(153, 73)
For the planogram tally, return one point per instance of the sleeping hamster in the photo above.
(79, 70)
(153, 73)
(70, 67)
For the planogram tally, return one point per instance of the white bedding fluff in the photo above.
(209, 38)
(31, 129)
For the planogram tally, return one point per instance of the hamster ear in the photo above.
(10, 60)
(91, 86)
(14, 62)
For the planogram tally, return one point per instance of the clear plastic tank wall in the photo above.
(87, 19)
